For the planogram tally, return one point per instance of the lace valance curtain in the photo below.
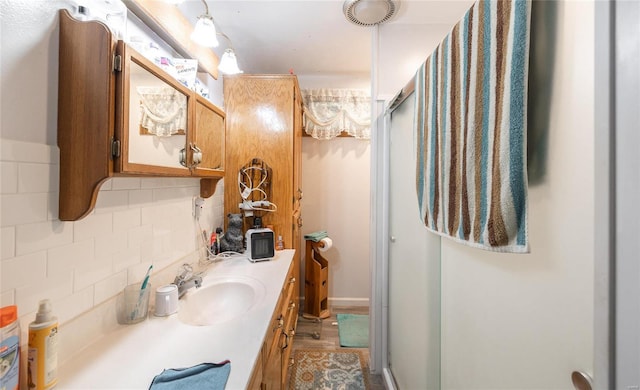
(329, 112)
(163, 111)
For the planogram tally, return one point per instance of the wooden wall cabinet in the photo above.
(100, 133)
(264, 120)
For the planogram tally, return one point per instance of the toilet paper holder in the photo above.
(316, 279)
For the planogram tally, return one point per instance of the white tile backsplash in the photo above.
(7, 299)
(64, 258)
(93, 226)
(140, 198)
(22, 270)
(110, 201)
(81, 266)
(28, 152)
(91, 271)
(37, 177)
(110, 287)
(8, 177)
(140, 235)
(28, 296)
(127, 219)
(41, 236)
(110, 243)
(74, 305)
(174, 193)
(7, 242)
(125, 183)
(23, 208)
(52, 206)
(126, 258)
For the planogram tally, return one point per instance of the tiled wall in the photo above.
(81, 266)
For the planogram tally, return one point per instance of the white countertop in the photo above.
(132, 355)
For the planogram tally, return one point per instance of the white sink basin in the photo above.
(220, 299)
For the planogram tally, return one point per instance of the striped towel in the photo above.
(471, 98)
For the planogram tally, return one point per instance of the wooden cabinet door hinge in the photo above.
(117, 63)
(115, 148)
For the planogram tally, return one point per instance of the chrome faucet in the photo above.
(186, 280)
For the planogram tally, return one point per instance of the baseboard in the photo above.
(342, 302)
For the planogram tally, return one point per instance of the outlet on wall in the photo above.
(198, 206)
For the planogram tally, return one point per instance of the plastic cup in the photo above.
(132, 306)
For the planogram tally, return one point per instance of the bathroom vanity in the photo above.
(256, 341)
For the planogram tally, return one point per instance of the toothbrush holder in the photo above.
(132, 306)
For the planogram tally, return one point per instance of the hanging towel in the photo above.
(470, 129)
(209, 376)
(316, 236)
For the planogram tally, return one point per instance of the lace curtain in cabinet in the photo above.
(163, 111)
(329, 112)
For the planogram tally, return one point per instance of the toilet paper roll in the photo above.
(328, 243)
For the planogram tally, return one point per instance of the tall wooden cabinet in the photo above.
(264, 120)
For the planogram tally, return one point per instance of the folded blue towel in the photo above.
(316, 236)
(203, 376)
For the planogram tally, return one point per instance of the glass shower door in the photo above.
(414, 268)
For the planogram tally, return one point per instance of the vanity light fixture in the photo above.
(204, 33)
(228, 63)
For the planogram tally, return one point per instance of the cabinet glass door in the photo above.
(154, 118)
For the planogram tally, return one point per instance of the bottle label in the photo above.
(10, 363)
(42, 362)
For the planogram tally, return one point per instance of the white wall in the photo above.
(402, 48)
(335, 181)
(527, 320)
(336, 199)
(81, 265)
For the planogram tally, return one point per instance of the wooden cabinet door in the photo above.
(207, 135)
(260, 124)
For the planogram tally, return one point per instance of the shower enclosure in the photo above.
(413, 266)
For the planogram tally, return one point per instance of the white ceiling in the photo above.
(310, 37)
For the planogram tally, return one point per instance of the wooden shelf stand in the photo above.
(316, 281)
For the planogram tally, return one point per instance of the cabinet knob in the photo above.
(292, 280)
(292, 305)
(182, 157)
(300, 194)
(299, 221)
(197, 155)
(291, 362)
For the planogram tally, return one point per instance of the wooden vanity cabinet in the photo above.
(99, 129)
(275, 359)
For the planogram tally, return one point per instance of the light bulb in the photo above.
(229, 63)
(204, 33)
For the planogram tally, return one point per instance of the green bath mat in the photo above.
(353, 330)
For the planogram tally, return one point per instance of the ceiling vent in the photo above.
(369, 12)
